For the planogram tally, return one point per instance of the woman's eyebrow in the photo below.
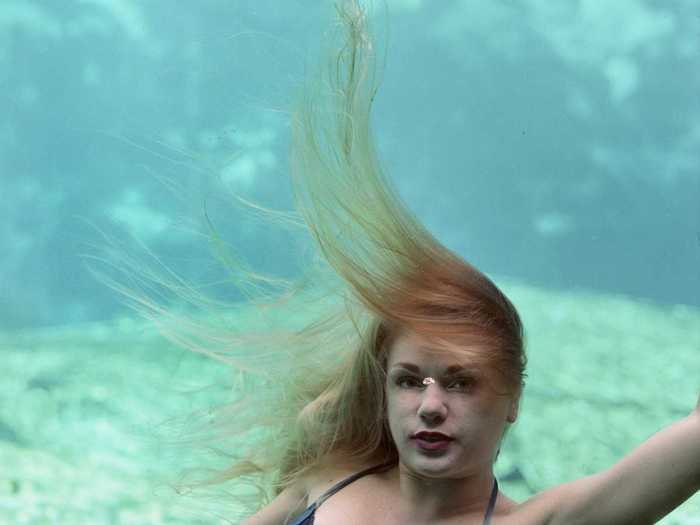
(413, 368)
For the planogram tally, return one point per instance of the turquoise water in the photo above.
(79, 442)
(554, 144)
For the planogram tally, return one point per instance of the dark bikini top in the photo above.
(307, 517)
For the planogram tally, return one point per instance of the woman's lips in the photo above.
(432, 445)
(424, 434)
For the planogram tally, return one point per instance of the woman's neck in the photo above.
(435, 499)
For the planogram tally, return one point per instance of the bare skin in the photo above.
(452, 486)
(437, 487)
(379, 496)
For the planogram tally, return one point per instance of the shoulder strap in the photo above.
(492, 503)
(335, 488)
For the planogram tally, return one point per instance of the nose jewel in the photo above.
(428, 381)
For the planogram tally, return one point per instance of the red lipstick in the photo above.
(431, 440)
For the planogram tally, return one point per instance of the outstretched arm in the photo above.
(644, 486)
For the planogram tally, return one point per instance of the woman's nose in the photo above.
(433, 403)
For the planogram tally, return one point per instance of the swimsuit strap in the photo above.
(492, 502)
(335, 488)
(307, 517)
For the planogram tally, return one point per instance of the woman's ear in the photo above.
(513, 410)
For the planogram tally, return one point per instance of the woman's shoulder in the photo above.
(334, 469)
(537, 510)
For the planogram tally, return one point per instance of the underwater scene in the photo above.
(163, 261)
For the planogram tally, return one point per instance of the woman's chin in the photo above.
(422, 463)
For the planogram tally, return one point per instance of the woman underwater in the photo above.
(392, 409)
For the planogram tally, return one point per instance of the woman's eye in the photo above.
(456, 384)
(462, 383)
(410, 381)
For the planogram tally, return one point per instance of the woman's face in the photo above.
(459, 404)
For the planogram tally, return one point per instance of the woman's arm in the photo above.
(644, 486)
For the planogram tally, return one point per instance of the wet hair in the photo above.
(311, 388)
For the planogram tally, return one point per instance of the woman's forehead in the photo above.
(411, 348)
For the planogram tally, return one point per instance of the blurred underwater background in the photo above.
(554, 145)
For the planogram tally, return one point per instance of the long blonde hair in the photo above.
(310, 392)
